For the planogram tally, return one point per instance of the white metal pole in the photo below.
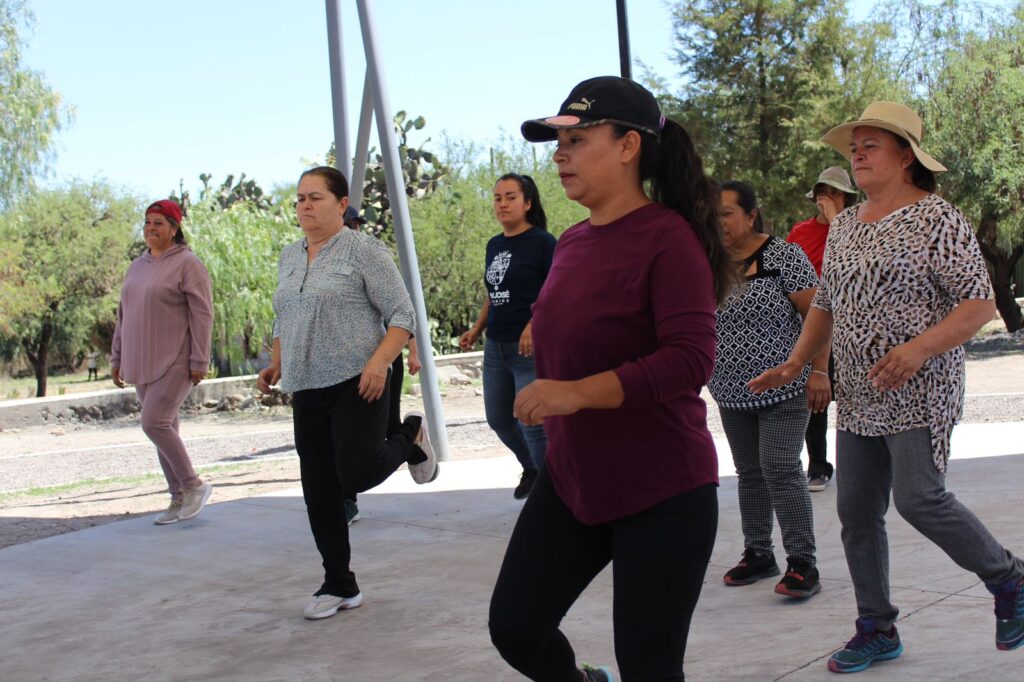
(403, 232)
(342, 153)
(362, 144)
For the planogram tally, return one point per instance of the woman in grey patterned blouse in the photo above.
(903, 285)
(342, 317)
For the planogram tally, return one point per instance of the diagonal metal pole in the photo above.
(342, 153)
(403, 231)
(362, 146)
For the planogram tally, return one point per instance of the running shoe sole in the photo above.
(887, 656)
(732, 582)
(797, 594)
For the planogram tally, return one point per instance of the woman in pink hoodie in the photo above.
(162, 345)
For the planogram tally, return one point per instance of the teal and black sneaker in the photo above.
(1009, 614)
(867, 646)
(601, 674)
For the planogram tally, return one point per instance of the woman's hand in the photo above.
(115, 376)
(526, 341)
(780, 375)
(197, 377)
(469, 339)
(546, 398)
(828, 208)
(819, 392)
(372, 380)
(898, 365)
(268, 377)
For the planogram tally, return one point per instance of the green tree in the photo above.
(240, 245)
(452, 226)
(764, 79)
(422, 173)
(30, 111)
(974, 111)
(70, 249)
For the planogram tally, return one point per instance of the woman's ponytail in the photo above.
(676, 174)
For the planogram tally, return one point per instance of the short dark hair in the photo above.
(921, 177)
(179, 236)
(746, 197)
(336, 181)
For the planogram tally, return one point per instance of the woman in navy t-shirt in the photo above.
(517, 264)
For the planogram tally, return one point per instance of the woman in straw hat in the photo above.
(624, 336)
(904, 285)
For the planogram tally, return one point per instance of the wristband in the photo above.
(818, 371)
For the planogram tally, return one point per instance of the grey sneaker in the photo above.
(172, 513)
(427, 470)
(194, 501)
(817, 483)
(326, 605)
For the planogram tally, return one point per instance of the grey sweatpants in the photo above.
(161, 400)
(869, 467)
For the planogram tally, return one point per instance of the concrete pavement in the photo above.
(220, 597)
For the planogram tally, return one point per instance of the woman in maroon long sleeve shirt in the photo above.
(624, 337)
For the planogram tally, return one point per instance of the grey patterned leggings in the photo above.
(766, 447)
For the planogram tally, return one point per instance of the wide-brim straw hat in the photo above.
(833, 176)
(897, 119)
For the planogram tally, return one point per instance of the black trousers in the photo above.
(394, 405)
(817, 429)
(658, 558)
(343, 445)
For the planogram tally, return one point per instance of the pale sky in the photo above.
(163, 91)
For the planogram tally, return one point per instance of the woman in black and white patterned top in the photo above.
(756, 328)
(903, 285)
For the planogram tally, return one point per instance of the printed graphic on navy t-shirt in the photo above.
(516, 269)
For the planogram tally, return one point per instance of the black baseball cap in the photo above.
(605, 99)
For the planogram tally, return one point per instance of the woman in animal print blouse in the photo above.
(903, 285)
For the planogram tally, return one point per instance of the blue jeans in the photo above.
(506, 372)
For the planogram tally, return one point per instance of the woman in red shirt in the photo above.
(624, 338)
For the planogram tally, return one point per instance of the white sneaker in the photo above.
(194, 501)
(173, 512)
(326, 605)
(427, 470)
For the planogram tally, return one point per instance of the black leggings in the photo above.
(817, 429)
(344, 445)
(658, 558)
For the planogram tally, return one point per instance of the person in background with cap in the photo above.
(904, 284)
(832, 194)
(162, 345)
(516, 263)
(624, 339)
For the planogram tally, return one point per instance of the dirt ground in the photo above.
(38, 513)
(33, 514)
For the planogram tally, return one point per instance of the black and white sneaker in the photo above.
(427, 470)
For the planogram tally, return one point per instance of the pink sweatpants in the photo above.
(161, 400)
